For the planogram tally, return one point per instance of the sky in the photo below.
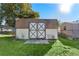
(62, 12)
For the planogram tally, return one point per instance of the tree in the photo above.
(25, 10)
(34, 15)
(8, 12)
(12, 10)
(1, 23)
(1, 18)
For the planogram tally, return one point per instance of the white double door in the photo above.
(37, 30)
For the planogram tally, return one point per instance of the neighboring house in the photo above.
(36, 28)
(70, 29)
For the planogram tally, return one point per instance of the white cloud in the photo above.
(65, 8)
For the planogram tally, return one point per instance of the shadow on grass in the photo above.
(37, 49)
(13, 47)
(69, 42)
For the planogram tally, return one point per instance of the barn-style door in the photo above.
(37, 31)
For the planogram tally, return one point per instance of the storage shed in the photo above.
(36, 28)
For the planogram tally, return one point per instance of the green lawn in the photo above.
(63, 47)
(10, 46)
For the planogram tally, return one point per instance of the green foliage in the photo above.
(25, 11)
(27, 15)
(12, 10)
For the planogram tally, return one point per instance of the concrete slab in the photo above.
(36, 42)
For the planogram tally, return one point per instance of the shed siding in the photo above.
(51, 34)
(22, 33)
(23, 23)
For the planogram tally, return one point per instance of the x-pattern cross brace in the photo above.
(32, 26)
(32, 33)
(41, 33)
(41, 26)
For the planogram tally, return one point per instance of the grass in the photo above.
(11, 47)
(70, 42)
(62, 47)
